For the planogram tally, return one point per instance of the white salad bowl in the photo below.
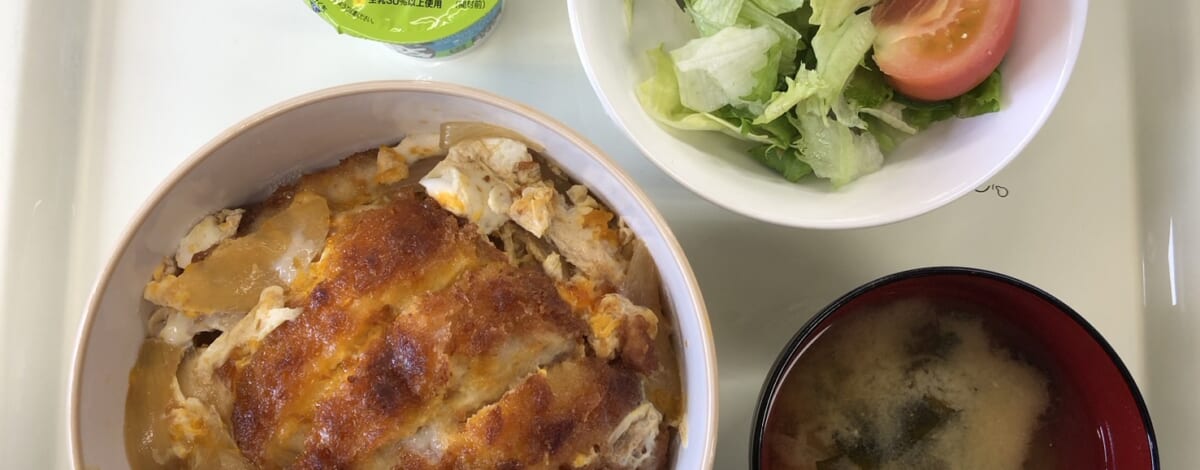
(313, 131)
(926, 172)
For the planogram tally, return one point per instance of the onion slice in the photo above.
(457, 131)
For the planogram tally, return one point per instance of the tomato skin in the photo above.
(927, 56)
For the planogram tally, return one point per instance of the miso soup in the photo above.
(923, 384)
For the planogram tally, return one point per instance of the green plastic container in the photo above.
(420, 28)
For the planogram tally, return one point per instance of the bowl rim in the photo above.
(778, 371)
(1077, 25)
(122, 246)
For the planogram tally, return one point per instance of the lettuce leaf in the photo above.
(779, 7)
(779, 132)
(796, 79)
(984, 98)
(838, 51)
(834, 151)
(729, 67)
(783, 160)
(846, 113)
(805, 84)
(711, 16)
(887, 136)
(890, 113)
(867, 87)
(789, 39)
(659, 96)
(834, 12)
(736, 127)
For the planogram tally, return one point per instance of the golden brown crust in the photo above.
(420, 345)
(550, 419)
(375, 258)
(464, 339)
(407, 310)
(397, 381)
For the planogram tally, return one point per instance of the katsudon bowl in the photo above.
(245, 163)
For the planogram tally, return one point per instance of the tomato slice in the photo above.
(938, 49)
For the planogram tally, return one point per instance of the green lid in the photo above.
(402, 21)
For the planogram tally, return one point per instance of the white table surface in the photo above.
(100, 100)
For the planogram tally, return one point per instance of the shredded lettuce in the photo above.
(778, 7)
(921, 115)
(887, 136)
(735, 127)
(799, 21)
(984, 98)
(726, 67)
(789, 39)
(834, 151)
(806, 83)
(834, 12)
(891, 114)
(867, 87)
(779, 132)
(659, 96)
(868, 93)
(847, 113)
(784, 160)
(765, 80)
(839, 51)
(711, 16)
(796, 80)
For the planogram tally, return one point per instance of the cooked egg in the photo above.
(207, 233)
(392, 162)
(466, 192)
(418, 146)
(478, 179)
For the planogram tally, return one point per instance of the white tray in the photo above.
(104, 99)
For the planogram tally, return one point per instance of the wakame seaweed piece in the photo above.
(865, 447)
(862, 446)
(918, 419)
(932, 340)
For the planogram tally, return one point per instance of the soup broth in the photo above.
(926, 384)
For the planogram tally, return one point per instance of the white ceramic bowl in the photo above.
(926, 172)
(311, 132)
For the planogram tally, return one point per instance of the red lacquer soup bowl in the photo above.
(1096, 418)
